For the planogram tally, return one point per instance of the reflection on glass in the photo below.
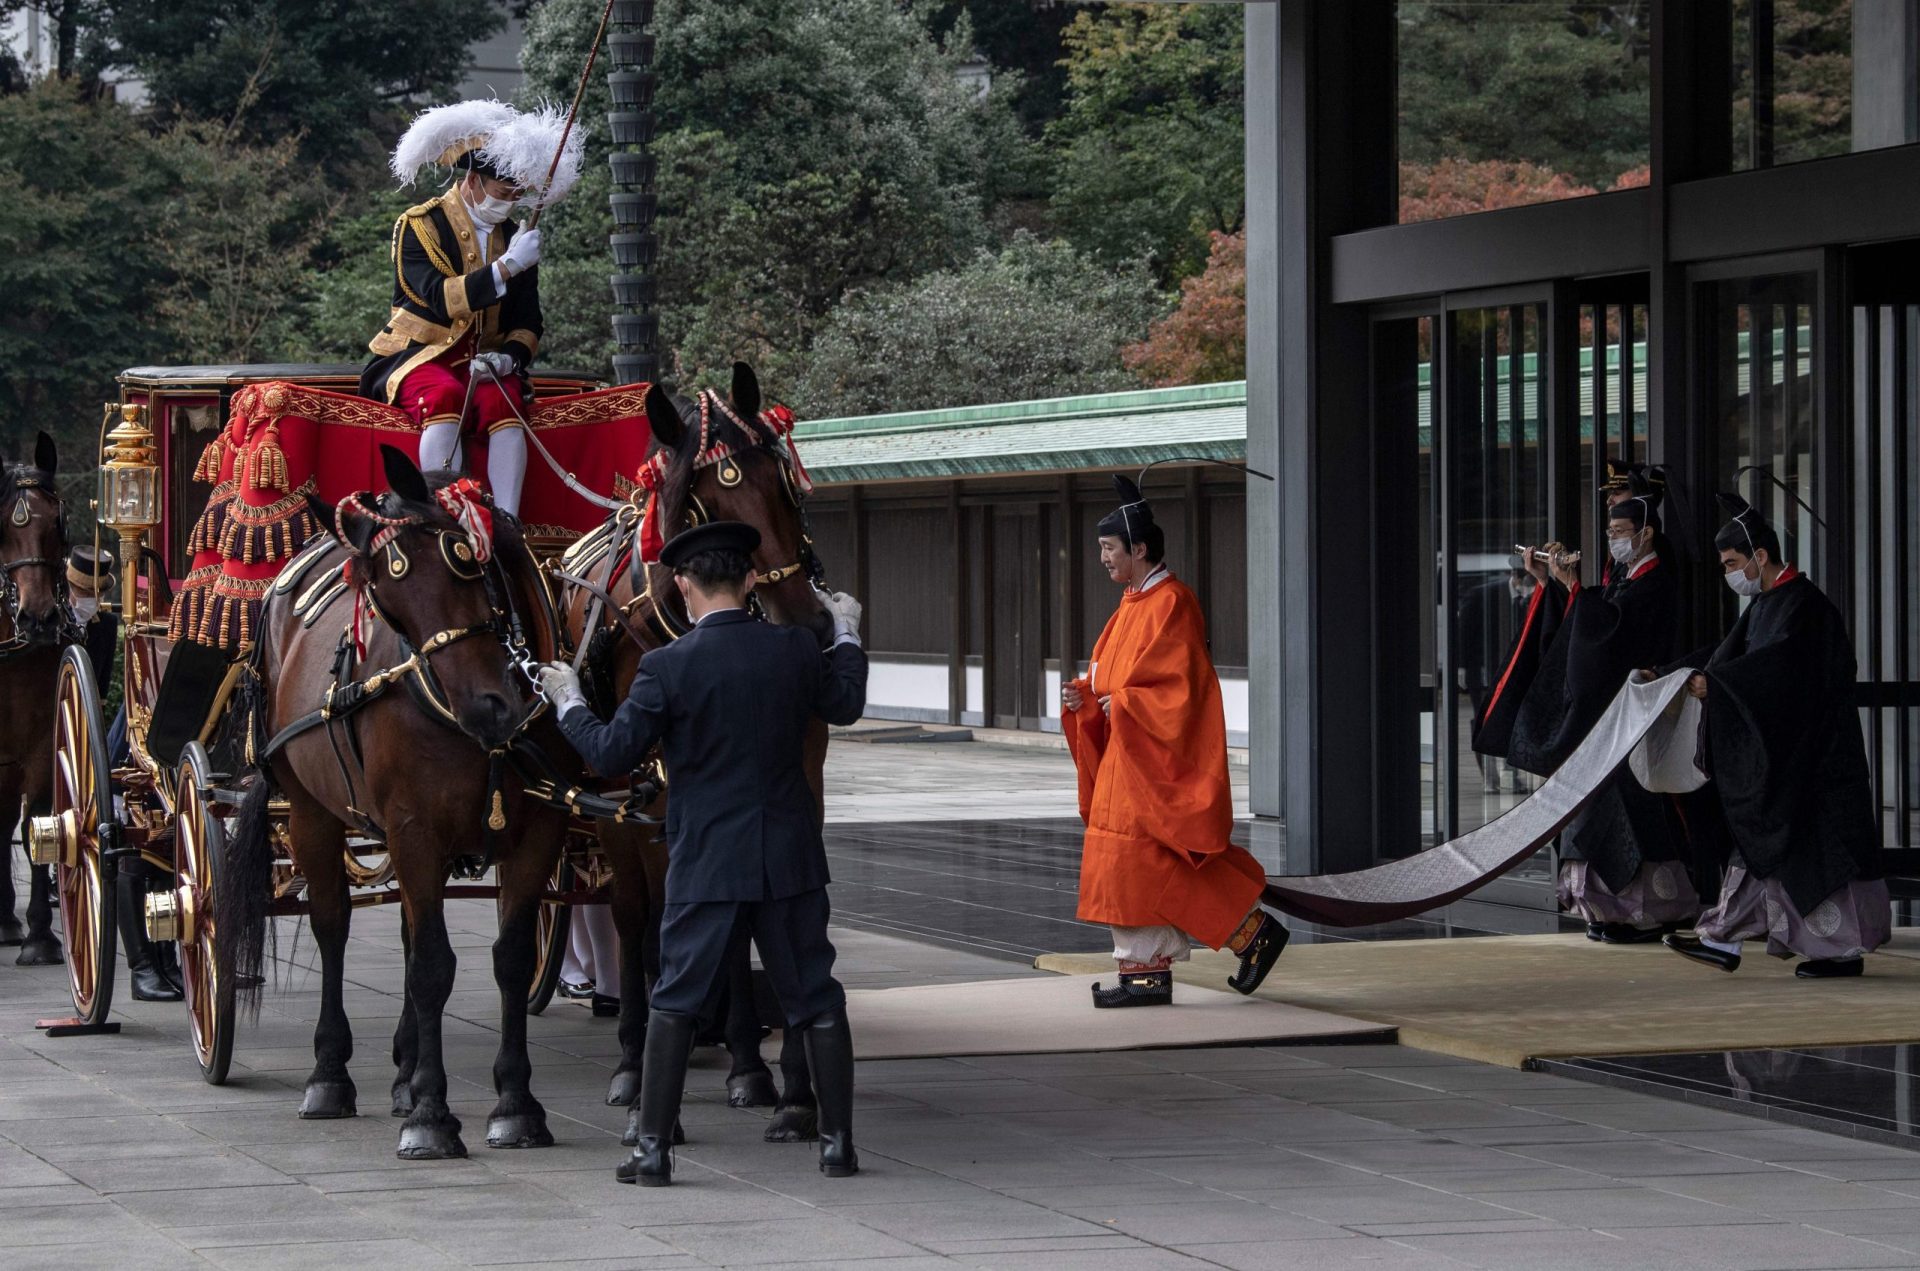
(1498, 485)
(1764, 334)
(1816, 78)
(1508, 102)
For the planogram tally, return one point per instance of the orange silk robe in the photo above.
(1153, 776)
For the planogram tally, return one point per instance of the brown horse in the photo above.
(713, 458)
(35, 623)
(420, 763)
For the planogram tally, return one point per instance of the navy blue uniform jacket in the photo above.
(730, 703)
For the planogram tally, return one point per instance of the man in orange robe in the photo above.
(1149, 738)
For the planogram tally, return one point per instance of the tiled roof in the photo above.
(1070, 434)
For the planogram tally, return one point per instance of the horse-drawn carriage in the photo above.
(238, 496)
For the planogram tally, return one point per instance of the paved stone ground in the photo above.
(114, 1153)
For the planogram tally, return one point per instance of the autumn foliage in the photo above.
(1205, 339)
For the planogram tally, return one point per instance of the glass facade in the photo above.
(1514, 102)
(1818, 78)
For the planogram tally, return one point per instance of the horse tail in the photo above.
(242, 893)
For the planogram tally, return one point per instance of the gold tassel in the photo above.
(208, 469)
(497, 820)
(267, 464)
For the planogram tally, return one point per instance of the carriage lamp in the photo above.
(129, 492)
(129, 489)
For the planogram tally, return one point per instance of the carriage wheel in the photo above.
(81, 805)
(200, 841)
(550, 942)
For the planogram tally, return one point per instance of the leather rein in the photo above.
(21, 515)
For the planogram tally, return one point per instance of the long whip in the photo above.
(593, 52)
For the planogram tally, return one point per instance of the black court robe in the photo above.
(1585, 652)
(1781, 738)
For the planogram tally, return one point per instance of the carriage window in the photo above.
(188, 425)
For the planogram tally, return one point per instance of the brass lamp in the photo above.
(130, 493)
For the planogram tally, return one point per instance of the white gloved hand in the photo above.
(562, 687)
(523, 253)
(846, 613)
(499, 360)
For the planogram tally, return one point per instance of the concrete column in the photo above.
(1265, 661)
(1886, 73)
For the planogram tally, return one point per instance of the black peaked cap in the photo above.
(736, 536)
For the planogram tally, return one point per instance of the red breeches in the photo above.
(433, 393)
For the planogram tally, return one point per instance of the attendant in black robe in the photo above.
(1623, 857)
(1780, 737)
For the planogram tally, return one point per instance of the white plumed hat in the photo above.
(521, 151)
(443, 134)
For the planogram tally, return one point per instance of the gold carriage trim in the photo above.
(232, 609)
(190, 602)
(259, 406)
(590, 408)
(268, 532)
(623, 486)
(208, 469)
(206, 530)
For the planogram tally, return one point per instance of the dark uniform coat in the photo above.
(445, 297)
(730, 704)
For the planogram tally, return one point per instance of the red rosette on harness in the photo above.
(464, 502)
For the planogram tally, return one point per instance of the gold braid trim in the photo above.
(399, 273)
(423, 230)
(589, 408)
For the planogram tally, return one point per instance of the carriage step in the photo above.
(74, 1026)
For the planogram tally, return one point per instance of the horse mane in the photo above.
(11, 474)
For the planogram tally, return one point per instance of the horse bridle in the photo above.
(729, 475)
(20, 516)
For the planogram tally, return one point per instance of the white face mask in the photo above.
(1743, 585)
(85, 607)
(1621, 549)
(489, 211)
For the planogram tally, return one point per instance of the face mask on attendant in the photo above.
(84, 608)
(489, 211)
(1743, 585)
(1621, 549)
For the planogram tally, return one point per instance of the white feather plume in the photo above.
(522, 149)
(429, 136)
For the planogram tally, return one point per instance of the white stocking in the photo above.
(507, 467)
(606, 946)
(439, 444)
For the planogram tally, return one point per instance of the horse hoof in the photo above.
(752, 1090)
(328, 1101)
(519, 1131)
(430, 1143)
(624, 1088)
(793, 1125)
(39, 951)
(402, 1101)
(11, 932)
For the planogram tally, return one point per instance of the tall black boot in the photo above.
(830, 1055)
(149, 983)
(663, 1077)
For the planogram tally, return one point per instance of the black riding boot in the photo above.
(663, 1076)
(830, 1055)
(150, 983)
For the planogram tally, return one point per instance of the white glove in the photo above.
(523, 253)
(499, 360)
(562, 687)
(846, 613)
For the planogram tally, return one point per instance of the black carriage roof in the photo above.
(234, 374)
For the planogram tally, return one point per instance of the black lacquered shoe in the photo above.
(1691, 947)
(1596, 931)
(1136, 988)
(1627, 933)
(578, 992)
(1829, 968)
(1260, 954)
(605, 1007)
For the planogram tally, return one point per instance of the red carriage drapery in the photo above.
(283, 443)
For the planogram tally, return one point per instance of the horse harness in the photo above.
(19, 516)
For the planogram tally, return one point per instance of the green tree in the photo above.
(80, 260)
(1561, 87)
(807, 148)
(1035, 320)
(1151, 149)
(341, 74)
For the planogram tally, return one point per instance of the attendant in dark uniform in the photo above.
(151, 966)
(729, 704)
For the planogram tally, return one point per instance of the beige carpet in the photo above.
(1505, 999)
(1043, 1015)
